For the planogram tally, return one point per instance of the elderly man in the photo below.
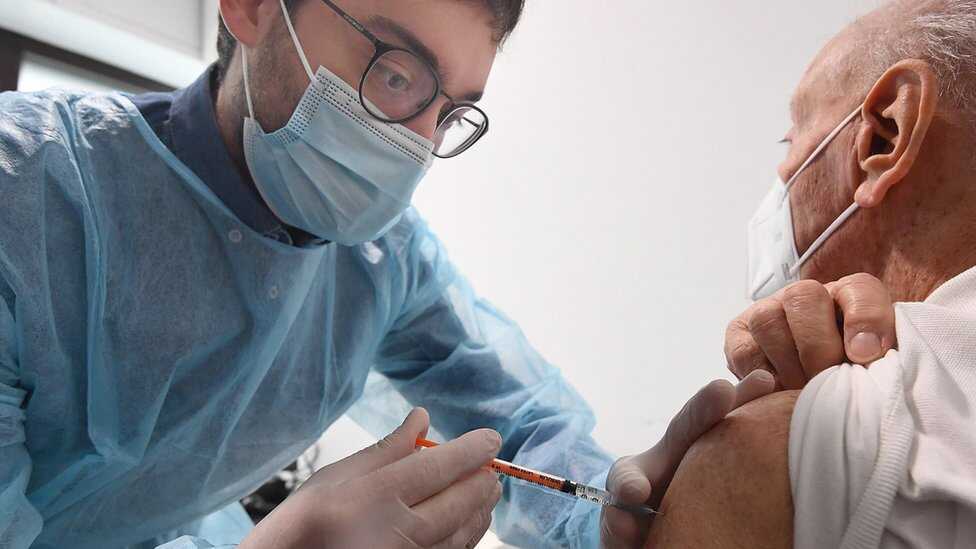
(886, 456)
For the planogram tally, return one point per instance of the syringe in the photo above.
(573, 488)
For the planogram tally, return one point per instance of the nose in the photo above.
(425, 123)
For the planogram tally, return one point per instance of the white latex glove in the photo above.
(390, 495)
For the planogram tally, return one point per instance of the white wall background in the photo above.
(606, 210)
(630, 142)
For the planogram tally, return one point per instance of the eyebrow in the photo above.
(414, 44)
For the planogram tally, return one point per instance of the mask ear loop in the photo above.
(823, 145)
(296, 41)
(247, 86)
(824, 236)
(840, 219)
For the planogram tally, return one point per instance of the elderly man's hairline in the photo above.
(941, 32)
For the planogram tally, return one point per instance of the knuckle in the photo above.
(431, 469)
(386, 443)
(681, 427)
(861, 279)
(767, 318)
(610, 528)
(864, 315)
(864, 301)
(745, 358)
(486, 484)
(734, 327)
(419, 527)
(622, 473)
(805, 294)
(380, 484)
(477, 529)
(486, 520)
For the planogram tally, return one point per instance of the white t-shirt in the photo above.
(886, 456)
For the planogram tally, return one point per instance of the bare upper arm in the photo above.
(733, 487)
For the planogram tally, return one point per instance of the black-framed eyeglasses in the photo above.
(398, 85)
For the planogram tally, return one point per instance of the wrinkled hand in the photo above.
(390, 495)
(808, 327)
(644, 478)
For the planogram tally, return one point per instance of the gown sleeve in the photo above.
(20, 523)
(472, 367)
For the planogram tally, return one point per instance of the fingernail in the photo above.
(494, 440)
(865, 346)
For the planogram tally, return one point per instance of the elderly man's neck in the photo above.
(931, 220)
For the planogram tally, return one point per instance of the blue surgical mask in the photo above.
(334, 170)
(773, 259)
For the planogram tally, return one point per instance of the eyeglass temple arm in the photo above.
(355, 24)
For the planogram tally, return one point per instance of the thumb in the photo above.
(869, 317)
(392, 448)
(628, 482)
(403, 440)
(702, 412)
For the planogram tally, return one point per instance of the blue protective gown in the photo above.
(159, 359)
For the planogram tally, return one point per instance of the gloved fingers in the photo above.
(742, 352)
(424, 474)
(622, 530)
(812, 316)
(628, 482)
(702, 412)
(469, 535)
(868, 316)
(757, 384)
(451, 510)
(769, 327)
(394, 447)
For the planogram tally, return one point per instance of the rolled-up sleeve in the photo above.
(848, 453)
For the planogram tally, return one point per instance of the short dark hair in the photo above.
(505, 15)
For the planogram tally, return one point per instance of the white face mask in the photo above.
(773, 259)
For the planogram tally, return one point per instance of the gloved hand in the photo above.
(808, 327)
(390, 495)
(644, 478)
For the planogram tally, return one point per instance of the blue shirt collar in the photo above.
(185, 121)
(196, 140)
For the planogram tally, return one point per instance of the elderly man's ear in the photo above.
(897, 114)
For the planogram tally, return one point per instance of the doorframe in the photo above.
(14, 47)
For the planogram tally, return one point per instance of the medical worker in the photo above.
(195, 285)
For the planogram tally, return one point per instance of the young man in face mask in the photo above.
(194, 285)
(880, 178)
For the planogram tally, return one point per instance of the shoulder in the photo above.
(409, 261)
(412, 245)
(44, 148)
(733, 483)
(410, 235)
(33, 123)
